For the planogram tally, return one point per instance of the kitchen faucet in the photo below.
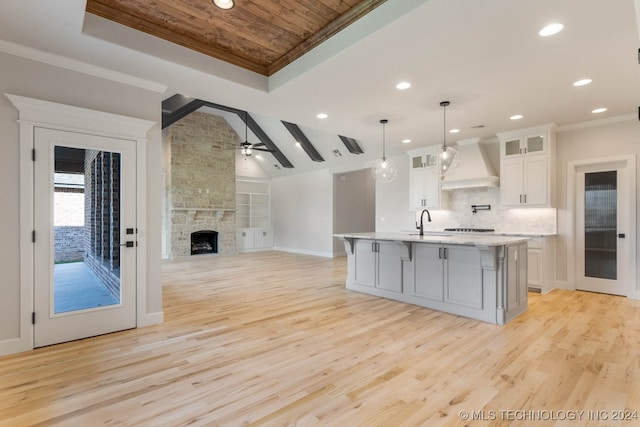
(421, 227)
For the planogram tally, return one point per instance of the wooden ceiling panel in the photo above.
(262, 36)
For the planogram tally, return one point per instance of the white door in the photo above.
(602, 229)
(85, 235)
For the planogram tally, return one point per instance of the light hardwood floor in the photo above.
(274, 339)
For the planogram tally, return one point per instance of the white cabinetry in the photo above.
(541, 263)
(253, 215)
(527, 167)
(425, 186)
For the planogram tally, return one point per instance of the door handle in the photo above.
(622, 235)
(128, 244)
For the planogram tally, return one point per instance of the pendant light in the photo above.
(447, 161)
(385, 169)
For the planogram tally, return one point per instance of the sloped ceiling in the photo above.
(484, 56)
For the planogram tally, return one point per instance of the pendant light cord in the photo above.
(384, 153)
(444, 105)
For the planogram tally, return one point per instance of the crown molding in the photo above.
(598, 122)
(79, 66)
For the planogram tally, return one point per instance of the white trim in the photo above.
(142, 289)
(572, 171)
(76, 119)
(80, 67)
(305, 252)
(149, 319)
(595, 123)
(37, 113)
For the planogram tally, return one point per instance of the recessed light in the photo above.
(516, 117)
(322, 115)
(403, 85)
(582, 82)
(551, 29)
(599, 110)
(298, 145)
(454, 131)
(224, 4)
(406, 141)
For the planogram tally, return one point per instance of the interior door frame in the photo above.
(573, 169)
(38, 113)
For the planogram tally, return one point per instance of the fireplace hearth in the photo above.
(204, 242)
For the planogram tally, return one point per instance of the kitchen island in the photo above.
(481, 277)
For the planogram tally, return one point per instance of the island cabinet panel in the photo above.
(463, 276)
(389, 268)
(484, 278)
(378, 264)
(365, 263)
(428, 271)
(516, 297)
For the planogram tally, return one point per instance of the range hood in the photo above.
(475, 170)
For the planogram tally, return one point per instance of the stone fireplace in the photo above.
(200, 185)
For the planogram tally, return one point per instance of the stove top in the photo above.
(471, 230)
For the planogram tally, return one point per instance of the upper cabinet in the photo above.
(425, 186)
(527, 167)
(525, 145)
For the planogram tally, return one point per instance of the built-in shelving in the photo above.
(253, 214)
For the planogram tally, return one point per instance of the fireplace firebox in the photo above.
(204, 242)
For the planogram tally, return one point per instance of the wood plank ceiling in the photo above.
(262, 36)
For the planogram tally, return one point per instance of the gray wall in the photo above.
(354, 204)
(37, 80)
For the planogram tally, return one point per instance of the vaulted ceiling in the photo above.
(485, 56)
(260, 36)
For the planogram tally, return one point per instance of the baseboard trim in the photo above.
(15, 345)
(305, 252)
(151, 319)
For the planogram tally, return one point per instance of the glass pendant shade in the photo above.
(385, 170)
(447, 160)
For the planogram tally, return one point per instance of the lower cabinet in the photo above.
(254, 239)
(482, 282)
(541, 264)
(378, 264)
(449, 273)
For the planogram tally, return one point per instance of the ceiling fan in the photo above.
(246, 147)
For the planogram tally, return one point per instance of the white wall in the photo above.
(584, 144)
(392, 200)
(36, 80)
(302, 212)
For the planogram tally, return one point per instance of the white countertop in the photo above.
(477, 239)
(485, 233)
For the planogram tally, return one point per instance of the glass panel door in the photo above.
(600, 225)
(85, 227)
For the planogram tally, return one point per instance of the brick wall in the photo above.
(69, 243)
(201, 183)
(102, 204)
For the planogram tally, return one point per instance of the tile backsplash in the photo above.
(459, 214)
